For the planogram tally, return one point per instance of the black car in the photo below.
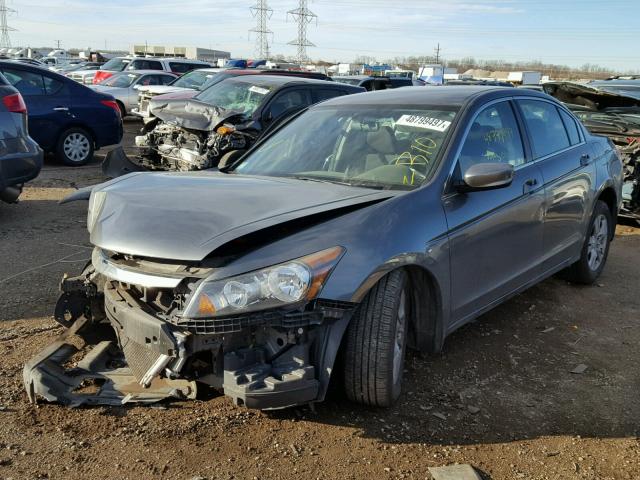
(371, 84)
(20, 156)
(65, 118)
(217, 126)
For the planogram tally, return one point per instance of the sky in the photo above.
(567, 32)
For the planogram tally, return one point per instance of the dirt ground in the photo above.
(500, 397)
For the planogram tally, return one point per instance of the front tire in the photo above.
(75, 147)
(596, 247)
(376, 343)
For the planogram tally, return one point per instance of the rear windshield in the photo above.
(349, 81)
(3, 81)
(122, 80)
(194, 80)
(377, 146)
(116, 64)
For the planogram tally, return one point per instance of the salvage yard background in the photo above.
(502, 395)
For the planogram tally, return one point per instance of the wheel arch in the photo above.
(427, 318)
(608, 195)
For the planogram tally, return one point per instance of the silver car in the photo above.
(124, 86)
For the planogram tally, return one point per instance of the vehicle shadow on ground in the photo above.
(507, 376)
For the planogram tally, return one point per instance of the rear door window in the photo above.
(27, 83)
(322, 94)
(546, 129)
(52, 86)
(145, 65)
(571, 126)
(494, 137)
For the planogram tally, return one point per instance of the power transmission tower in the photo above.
(5, 41)
(437, 50)
(262, 13)
(303, 16)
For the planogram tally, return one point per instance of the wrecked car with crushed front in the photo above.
(252, 279)
(220, 123)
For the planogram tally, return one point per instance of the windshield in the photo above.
(116, 64)
(243, 97)
(123, 80)
(374, 146)
(193, 80)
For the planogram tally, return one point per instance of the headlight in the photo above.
(289, 283)
(96, 202)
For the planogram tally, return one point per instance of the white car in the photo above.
(194, 80)
(124, 86)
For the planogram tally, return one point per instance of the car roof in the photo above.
(279, 80)
(353, 77)
(431, 96)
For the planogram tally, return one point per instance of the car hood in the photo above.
(162, 89)
(187, 216)
(190, 113)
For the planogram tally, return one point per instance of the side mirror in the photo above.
(486, 176)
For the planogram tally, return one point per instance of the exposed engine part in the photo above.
(170, 147)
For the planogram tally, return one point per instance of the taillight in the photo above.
(112, 104)
(100, 76)
(15, 103)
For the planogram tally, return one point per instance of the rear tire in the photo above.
(376, 343)
(75, 147)
(123, 110)
(596, 247)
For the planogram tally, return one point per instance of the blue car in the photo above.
(65, 118)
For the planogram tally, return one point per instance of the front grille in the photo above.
(323, 310)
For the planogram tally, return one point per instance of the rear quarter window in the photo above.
(571, 126)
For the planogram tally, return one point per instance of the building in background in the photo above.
(192, 53)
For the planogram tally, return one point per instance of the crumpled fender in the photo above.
(117, 164)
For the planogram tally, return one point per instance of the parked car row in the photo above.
(124, 64)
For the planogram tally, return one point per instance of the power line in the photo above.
(262, 13)
(303, 16)
(5, 41)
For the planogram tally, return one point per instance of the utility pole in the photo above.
(58, 43)
(261, 12)
(303, 16)
(5, 41)
(437, 50)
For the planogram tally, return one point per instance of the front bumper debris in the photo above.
(118, 349)
(116, 164)
(102, 377)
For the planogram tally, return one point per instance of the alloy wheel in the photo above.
(598, 240)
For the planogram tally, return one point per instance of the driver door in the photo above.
(495, 236)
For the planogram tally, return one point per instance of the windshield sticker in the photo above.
(260, 90)
(418, 121)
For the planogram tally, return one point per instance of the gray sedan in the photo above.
(368, 223)
(124, 86)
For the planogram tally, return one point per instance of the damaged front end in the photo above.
(185, 135)
(152, 330)
(615, 116)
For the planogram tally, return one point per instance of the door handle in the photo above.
(61, 109)
(529, 185)
(585, 158)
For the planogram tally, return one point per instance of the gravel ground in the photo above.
(501, 396)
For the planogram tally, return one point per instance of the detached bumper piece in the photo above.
(117, 164)
(102, 377)
(252, 382)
